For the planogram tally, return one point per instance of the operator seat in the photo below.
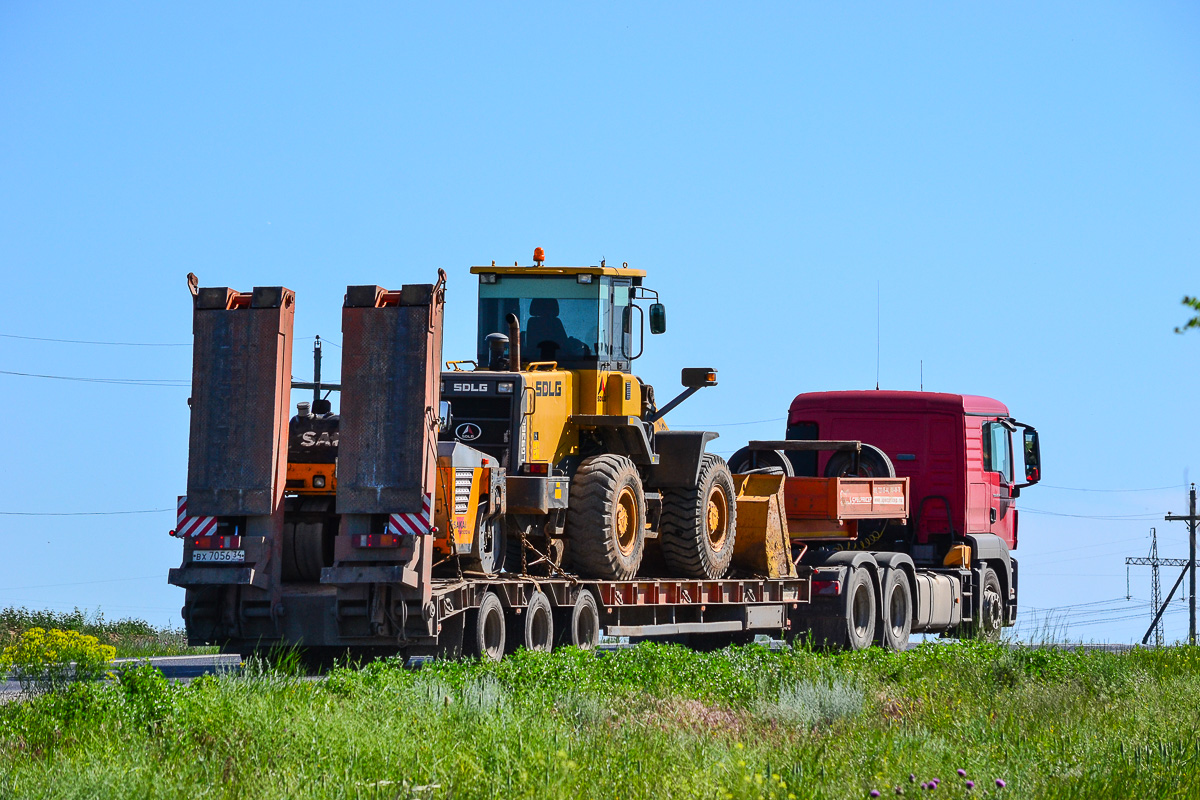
(544, 331)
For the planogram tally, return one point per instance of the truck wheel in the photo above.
(872, 463)
(485, 632)
(699, 524)
(606, 518)
(539, 623)
(852, 627)
(584, 630)
(991, 618)
(895, 620)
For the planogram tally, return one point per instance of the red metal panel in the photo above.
(241, 385)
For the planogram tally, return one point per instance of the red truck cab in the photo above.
(956, 450)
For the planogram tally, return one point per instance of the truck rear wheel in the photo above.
(606, 518)
(895, 617)
(485, 630)
(699, 523)
(852, 627)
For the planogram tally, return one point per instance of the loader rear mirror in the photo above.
(697, 377)
(444, 415)
(658, 318)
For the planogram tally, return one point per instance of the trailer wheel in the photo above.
(584, 630)
(485, 632)
(895, 618)
(606, 518)
(539, 623)
(699, 523)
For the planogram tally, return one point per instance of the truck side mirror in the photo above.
(1033, 456)
(444, 415)
(658, 318)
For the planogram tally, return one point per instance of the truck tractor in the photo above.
(953, 548)
(595, 479)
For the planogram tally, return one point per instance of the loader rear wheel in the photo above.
(606, 518)
(484, 636)
(699, 523)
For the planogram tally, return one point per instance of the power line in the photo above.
(122, 381)
(84, 341)
(1139, 516)
(80, 513)
(1078, 489)
(77, 583)
(724, 424)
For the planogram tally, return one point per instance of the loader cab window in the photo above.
(579, 325)
(997, 450)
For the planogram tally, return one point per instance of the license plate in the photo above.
(219, 556)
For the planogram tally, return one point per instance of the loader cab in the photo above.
(581, 318)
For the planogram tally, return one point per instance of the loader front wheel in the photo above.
(699, 523)
(606, 518)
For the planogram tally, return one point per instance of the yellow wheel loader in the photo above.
(596, 483)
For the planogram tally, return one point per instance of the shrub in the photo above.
(48, 660)
(819, 702)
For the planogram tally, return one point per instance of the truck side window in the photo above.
(997, 450)
(804, 463)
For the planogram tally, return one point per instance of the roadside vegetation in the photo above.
(130, 638)
(655, 721)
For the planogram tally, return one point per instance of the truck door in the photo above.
(998, 474)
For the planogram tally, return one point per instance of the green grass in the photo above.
(654, 721)
(132, 638)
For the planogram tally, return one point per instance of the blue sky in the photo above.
(1018, 180)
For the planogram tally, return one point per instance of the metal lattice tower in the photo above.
(1156, 604)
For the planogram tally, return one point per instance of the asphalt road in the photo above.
(173, 667)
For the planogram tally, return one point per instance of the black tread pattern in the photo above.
(592, 543)
(682, 531)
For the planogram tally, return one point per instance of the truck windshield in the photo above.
(560, 317)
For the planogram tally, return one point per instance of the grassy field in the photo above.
(133, 638)
(654, 721)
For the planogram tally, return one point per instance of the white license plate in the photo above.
(219, 556)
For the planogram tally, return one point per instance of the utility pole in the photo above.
(1191, 520)
(1156, 606)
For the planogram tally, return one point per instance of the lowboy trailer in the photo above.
(376, 531)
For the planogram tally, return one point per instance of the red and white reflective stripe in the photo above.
(412, 524)
(192, 526)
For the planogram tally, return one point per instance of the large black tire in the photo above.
(894, 622)
(991, 617)
(606, 518)
(485, 634)
(745, 460)
(852, 626)
(872, 463)
(539, 623)
(304, 551)
(699, 523)
(584, 628)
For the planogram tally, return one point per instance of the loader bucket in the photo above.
(762, 545)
